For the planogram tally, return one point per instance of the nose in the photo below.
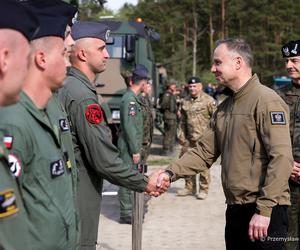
(106, 54)
(213, 68)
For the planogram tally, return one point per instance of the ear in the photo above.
(238, 62)
(81, 54)
(40, 59)
(4, 61)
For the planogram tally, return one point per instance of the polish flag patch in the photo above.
(8, 141)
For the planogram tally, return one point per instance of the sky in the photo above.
(116, 4)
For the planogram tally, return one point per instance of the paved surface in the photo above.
(172, 222)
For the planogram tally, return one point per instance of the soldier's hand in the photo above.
(136, 158)
(295, 176)
(258, 227)
(156, 177)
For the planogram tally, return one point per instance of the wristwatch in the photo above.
(169, 173)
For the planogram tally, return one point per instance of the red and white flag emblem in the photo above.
(8, 141)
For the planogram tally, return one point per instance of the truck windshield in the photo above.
(116, 49)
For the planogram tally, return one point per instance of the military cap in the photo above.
(194, 79)
(140, 71)
(14, 15)
(290, 49)
(53, 15)
(85, 29)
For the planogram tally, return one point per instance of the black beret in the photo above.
(140, 71)
(54, 16)
(194, 79)
(290, 49)
(14, 15)
(90, 30)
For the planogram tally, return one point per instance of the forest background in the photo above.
(189, 29)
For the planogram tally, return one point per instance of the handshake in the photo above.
(158, 183)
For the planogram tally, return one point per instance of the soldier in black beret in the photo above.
(15, 32)
(291, 95)
(35, 134)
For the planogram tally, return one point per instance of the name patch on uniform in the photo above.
(8, 141)
(8, 205)
(14, 165)
(278, 118)
(94, 114)
(64, 125)
(57, 168)
(132, 109)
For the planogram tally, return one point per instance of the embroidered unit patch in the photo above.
(94, 114)
(8, 205)
(278, 118)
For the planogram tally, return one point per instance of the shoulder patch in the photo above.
(94, 114)
(14, 165)
(8, 205)
(8, 141)
(132, 109)
(278, 118)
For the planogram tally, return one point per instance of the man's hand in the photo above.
(136, 158)
(258, 227)
(158, 183)
(295, 176)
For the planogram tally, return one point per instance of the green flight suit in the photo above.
(14, 225)
(291, 95)
(146, 107)
(96, 156)
(169, 107)
(129, 143)
(45, 180)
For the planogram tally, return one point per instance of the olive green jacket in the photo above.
(130, 140)
(14, 225)
(46, 181)
(94, 151)
(250, 130)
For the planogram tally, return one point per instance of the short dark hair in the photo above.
(240, 46)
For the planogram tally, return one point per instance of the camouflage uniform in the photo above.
(169, 107)
(196, 114)
(291, 95)
(146, 107)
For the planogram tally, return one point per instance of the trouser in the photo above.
(237, 225)
(170, 127)
(126, 200)
(204, 180)
(294, 218)
(89, 203)
(204, 176)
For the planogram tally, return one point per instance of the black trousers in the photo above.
(237, 225)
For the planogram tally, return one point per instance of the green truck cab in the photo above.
(129, 44)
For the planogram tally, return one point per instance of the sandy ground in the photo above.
(172, 222)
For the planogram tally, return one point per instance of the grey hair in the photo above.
(239, 46)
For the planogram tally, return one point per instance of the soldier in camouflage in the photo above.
(196, 111)
(169, 108)
(291, 95)
(146, 107)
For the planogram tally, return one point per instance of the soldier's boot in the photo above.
(204, 180)
(190, 187)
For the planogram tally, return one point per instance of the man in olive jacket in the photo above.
(96, 156)
(250, 131)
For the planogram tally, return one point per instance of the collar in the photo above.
(78, 74)
(248, 86)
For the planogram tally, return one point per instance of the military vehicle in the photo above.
(129, 44)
